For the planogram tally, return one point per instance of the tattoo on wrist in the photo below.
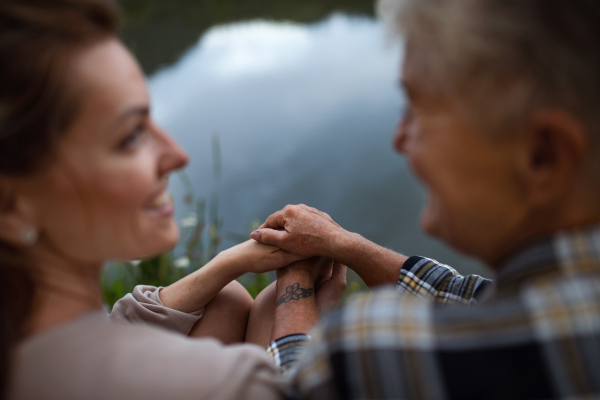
(294, 292)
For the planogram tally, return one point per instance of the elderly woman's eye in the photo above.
(133, 138)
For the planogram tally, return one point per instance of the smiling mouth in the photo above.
(161, 205)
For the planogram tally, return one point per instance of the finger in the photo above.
(275, 221)
(332, 291)
(269, 236)
(322, 281)
(339, 271)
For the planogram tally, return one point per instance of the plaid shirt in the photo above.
(534, 334)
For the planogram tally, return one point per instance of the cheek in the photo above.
(120, 192)
(98, 213)
(125, 229)
(122, 226)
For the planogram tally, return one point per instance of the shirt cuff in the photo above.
(286, 350)
(426, 278)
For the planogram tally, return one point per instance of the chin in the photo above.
(448, 235)
(163, 242)
(169, 240)
(429, 223)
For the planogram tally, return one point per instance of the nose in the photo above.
(171, 155)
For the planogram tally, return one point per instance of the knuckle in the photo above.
(292, 210)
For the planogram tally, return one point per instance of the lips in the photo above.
(160, 200)
(161, 204)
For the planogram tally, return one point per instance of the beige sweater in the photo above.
(140, 351)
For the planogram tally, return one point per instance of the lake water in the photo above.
(305, 113)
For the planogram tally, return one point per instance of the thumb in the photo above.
(269, 236)
(339, 272)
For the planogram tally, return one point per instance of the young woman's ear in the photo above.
(553, 159)
(16, 219)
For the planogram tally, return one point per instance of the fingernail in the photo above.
(254, 235)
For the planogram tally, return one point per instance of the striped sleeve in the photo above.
(429, 279)
(286, 351)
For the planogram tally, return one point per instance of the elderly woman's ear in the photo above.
(555, 148)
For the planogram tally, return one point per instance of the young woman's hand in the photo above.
(255, 257)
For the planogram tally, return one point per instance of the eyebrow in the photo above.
(143, 110)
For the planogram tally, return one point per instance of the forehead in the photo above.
(414, 71)
(106, 80)
(427, 79)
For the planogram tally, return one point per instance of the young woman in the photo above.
(83, 179)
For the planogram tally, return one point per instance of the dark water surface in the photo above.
(305, 113)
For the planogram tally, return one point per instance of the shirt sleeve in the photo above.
(378, 345)
(426, 278)
(344, 347)
(144, 305)
(286, 351)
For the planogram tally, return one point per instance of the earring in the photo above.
(29, 235)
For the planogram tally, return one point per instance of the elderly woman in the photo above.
(504, 131)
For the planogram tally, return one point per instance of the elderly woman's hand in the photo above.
(301, 230)
(309, 232)
(331, 289)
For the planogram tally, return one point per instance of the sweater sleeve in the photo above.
(144, 305)
(427, 278)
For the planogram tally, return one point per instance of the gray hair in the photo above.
(503, 59)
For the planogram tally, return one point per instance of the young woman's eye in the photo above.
(133, 138)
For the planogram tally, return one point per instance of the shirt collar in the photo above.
(567, 252)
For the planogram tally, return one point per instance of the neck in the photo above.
(569, 215)
(64, 290)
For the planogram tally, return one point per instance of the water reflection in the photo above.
(305, 114)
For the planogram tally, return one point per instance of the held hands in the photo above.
(300, 230)
(308, 232)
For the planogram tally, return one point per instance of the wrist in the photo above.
(332, 242)
(226, 265)
(295, 307)
(345, 246)
(296, 274)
